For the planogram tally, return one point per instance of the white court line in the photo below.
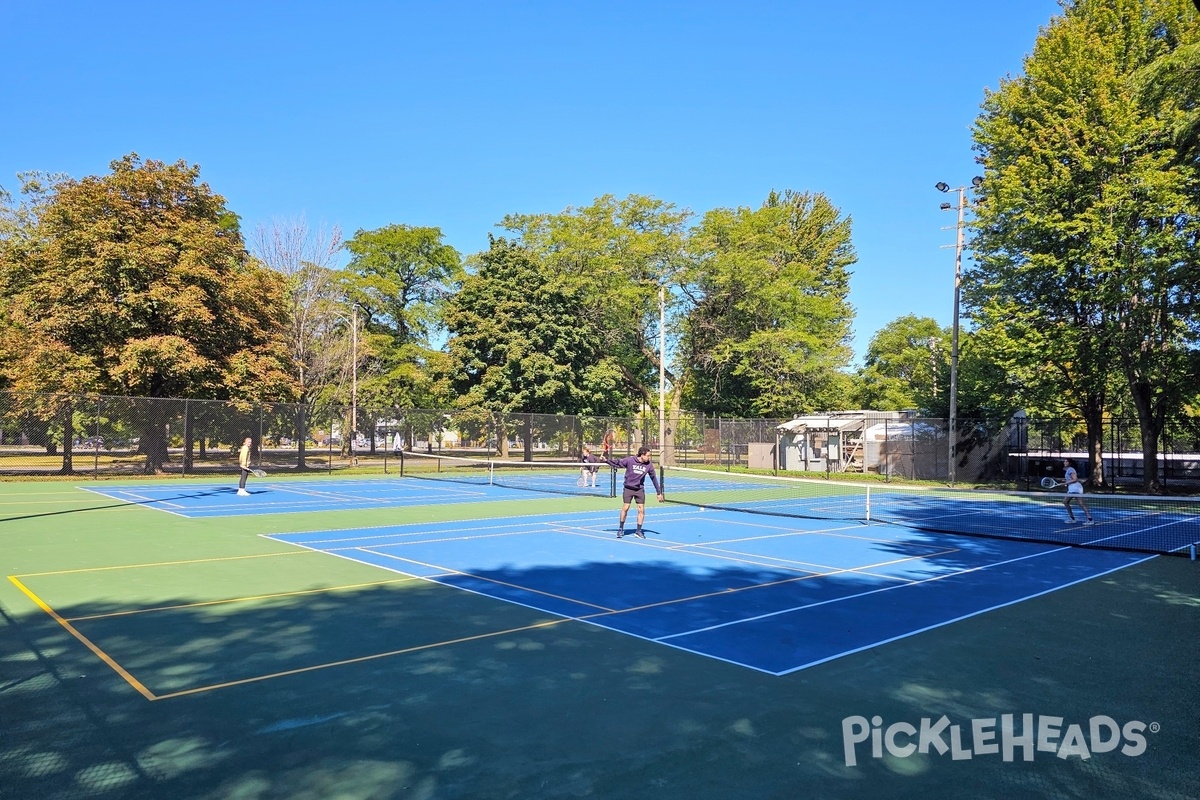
(820, 571)
(806, 606)
(523, 519)
(350, 497)
(401, 532)
(1143, 530)
(816, 568)
(436, 541)
(127, 495)
(449, 572)
(341, 498)
(961, 618)
(665, 640)
(150, 504)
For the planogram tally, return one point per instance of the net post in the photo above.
(1192, 551)
(491, 473)
(868, 510)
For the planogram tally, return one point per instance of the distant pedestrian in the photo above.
(637, 469)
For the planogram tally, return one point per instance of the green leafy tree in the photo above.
(518, 345)
(615, 255)
(768, 321)
(1087, 223)
(907, 366)
(400, 276)
(1170, 84)
(136, 283)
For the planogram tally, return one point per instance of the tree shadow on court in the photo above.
(418, 690)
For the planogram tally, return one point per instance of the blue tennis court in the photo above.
(294, 496)
(1129, 522)
(774, 595)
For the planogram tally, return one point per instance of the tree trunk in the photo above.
(1093, 417)
(501, 437)
(153, 440)
(301, 434)
(188, 438)
(68, 428)
(347, 433)
(1150, 425)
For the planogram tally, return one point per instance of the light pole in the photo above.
(353, 379)
(662, 375)
(958, 249)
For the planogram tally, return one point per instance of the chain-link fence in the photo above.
(111, 436)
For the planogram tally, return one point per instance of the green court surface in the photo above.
(149, 655)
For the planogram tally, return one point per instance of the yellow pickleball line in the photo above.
(163, 563)
(103, 656)
(270, 596)
(360, 659)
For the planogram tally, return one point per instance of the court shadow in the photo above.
(416, 689)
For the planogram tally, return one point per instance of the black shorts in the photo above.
(638, 494)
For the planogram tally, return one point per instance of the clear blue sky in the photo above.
(453, 114)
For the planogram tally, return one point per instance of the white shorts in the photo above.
(1075, 488)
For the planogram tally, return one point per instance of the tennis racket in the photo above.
(581, 481)
(1050, 483)
(258, 473)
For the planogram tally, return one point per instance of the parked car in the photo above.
(93, 443)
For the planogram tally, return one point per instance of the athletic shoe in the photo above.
(243, 493)
(1071, 520)
(639, 533)
(1090, 521)
(620, 532)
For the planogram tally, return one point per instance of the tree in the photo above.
(768, 322)
(1087, 223)
(136, 283)
(907, 367)
(518, 345)
(316, 334)
(1170, 85)
(616, 254)
(400, 276)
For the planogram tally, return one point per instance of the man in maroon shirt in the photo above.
(637, 469)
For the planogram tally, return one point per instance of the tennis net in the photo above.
(1165, 525)
(555, 477)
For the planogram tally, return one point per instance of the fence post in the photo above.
(187, 439)
(1162, 452)
(260, 432)
(95, 447)
(886, 453)
(828, 452)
